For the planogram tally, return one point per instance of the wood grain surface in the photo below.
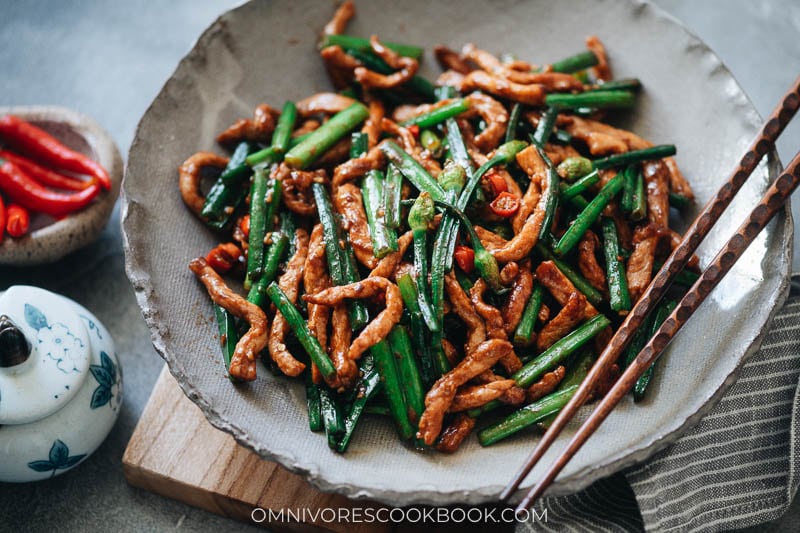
(176, 453)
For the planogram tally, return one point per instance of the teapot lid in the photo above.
(44, 354)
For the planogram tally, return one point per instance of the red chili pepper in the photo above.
(498, 182)
(505, 205)
(224, 257)
(43, 175)
(465, 258)
(19, 220)
(22, 189)
(2, 219)
(414, 129)
(46, 149)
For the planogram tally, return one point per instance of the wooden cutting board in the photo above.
(175, 452)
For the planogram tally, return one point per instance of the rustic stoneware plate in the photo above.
(265, 52)
(49, 240)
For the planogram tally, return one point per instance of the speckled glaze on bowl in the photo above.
(50, 240)
(250, 55)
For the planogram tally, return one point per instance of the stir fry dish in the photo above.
(447, 254)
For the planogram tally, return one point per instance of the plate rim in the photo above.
(141, 282)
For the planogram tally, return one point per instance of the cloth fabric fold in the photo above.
(737, 468)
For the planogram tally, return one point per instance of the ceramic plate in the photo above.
(252, 55)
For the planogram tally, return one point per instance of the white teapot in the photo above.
(60, 384)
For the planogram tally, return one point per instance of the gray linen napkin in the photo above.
(737, 468)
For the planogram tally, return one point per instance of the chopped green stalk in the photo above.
(553, 356)
(431, 142)
(368, 386)
(228, 334)
(679, 201)
(615, 269)
(573, 168)
(628, 188)
(258, 291)
(265, 195)
(387, 368)
(639, 202)
(523, 336)
(626, 84)
(412, 170)
(513, 122)
(321, 139)
(362, 44)
(427, 366)
(384, 239)
(485, 262)
(410, 378)
(662, 312)
(267, 156)
(545, 126)
(283, 130)
(589, 215)
(579, 61)
(271, 154)
(356, 309)
(551, 196)
(313, 403)
(392, 195)
(526, 416)
(419, 218)
(439, 114)
(301, 331)
(659, 151)
(331, 416)
(455, 140)
(591, 100)
(359, 144)
(341, 264)
(580, 186)
(225, 196)
(331, 233)
(371, 61)
(593, 295)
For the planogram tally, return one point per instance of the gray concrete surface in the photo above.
(109, 59)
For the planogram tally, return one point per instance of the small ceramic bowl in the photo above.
(49, 239)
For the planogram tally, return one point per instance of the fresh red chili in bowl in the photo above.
(43, 147)
(18, 220)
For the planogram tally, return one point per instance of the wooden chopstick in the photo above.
(770, 204)
(763, 143)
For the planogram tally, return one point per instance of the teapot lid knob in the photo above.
(14, 346)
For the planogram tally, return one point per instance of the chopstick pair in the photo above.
(770, 204)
